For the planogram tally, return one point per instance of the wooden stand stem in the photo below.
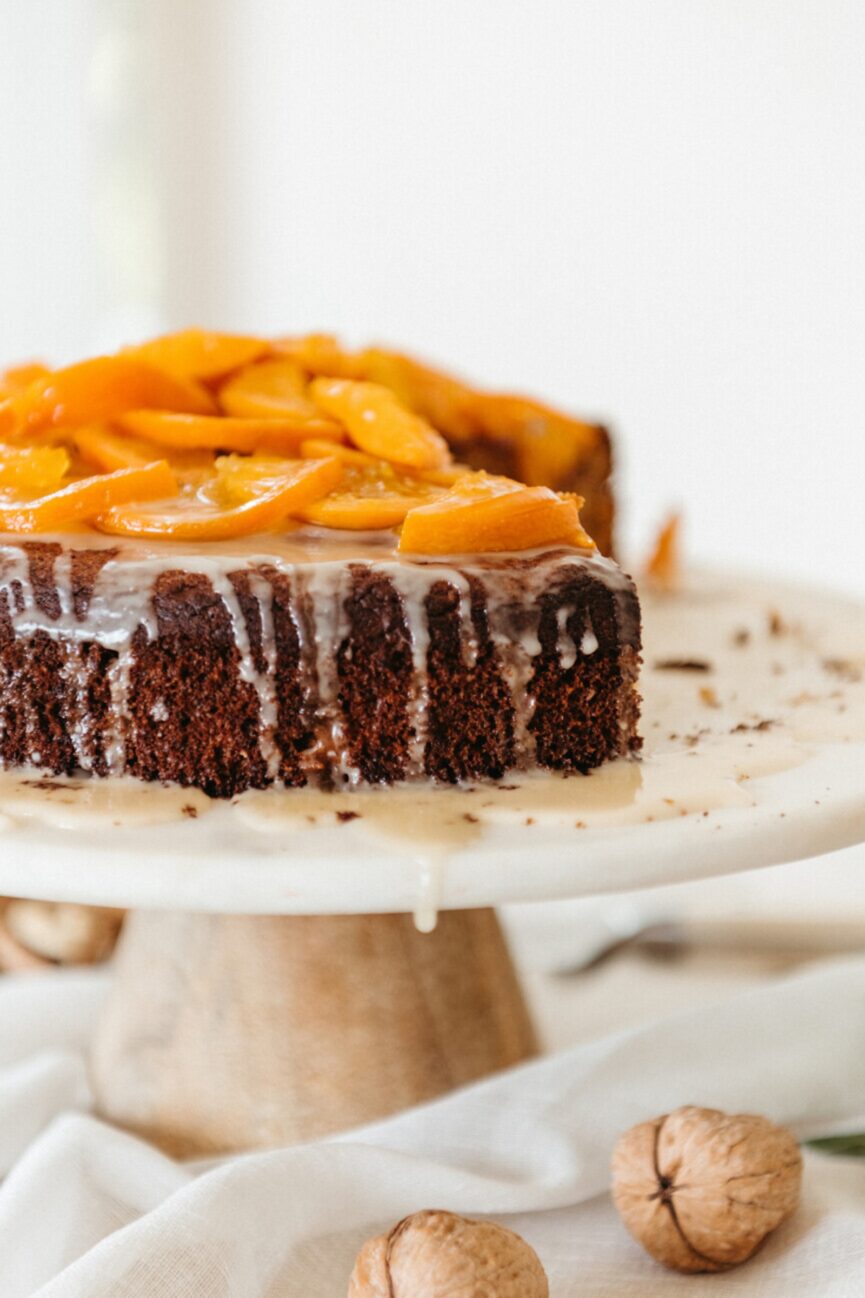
(236, 1032)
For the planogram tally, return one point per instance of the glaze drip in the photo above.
(102, 626)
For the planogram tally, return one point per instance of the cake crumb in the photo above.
(345, 816)
(709, 696)
(741, 636)
(844, 668)
(473, 820)
(683, 665)
(190, 811)
(777, 625)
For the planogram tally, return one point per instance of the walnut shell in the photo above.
(438, 1254)
(701, 1189)
(63, 932)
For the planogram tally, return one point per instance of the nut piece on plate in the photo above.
(38, 933)
(701, 1189)
(440, 1255)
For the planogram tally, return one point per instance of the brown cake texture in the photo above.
(235, 671)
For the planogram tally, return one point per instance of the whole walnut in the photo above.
(439, 1255)
(701, 1189)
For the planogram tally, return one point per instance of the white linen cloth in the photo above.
(89, 1212)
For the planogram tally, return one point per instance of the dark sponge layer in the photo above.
(185, 704)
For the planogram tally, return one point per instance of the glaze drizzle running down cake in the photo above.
(279, 576)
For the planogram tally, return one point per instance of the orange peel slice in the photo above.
(200, 353)
(81, 501)
(484, 514)
(96, 390)
(104, 449)
(370, 498)
(274, 389)
(107, 451)
(322, 354)
(18, 377)
(378, 423)
(204, 519)
(32, 469)
(210, 432)
(446, 402)
(314, 448)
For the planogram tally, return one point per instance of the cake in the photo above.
(235, 563)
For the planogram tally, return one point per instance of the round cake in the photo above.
(234, 563)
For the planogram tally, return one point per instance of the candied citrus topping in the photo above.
(106, 451)
(484, 513)
(199, 435)
(205, 518)
(447, 403)
(378, 423)
(370, 497)
(200, 354)
(273, 390)
(322, 354)
(33, 469)
(207, 432)
(18, 377)
(548, 444)
(81, 501)
(315, 447)
(101, 448)
(95, 390)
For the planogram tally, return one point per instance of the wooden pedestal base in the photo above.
(237, 1032)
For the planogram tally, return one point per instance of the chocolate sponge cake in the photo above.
(285, 665)
(236, 563)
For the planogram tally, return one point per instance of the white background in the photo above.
(648, 210)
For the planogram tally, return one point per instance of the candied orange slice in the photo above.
(101, 448)
(18, 377)
(444, 401)
(239, 478)
(84, 499)
(197, 432)
(202, 517)
(370, 496)
(106, 451)
(99, 389)
(33, 468)
(378, 423)
(549, 445)
(314, 448)
(199, 353)
(481, 514)
(274, 390)
(321, 354)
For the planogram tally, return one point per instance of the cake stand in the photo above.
(282, 974)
